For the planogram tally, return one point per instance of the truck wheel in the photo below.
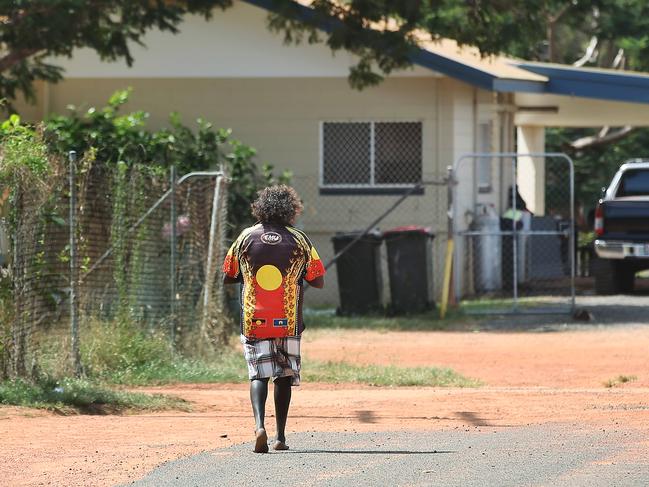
(626, 278)
(605, 277)
(612, 277)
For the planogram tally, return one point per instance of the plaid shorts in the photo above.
(273, 357)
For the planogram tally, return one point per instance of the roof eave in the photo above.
(580, 82)
(430, 60)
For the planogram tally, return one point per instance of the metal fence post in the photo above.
(573, 245)
(210, 270)
(18, 327)
(74, 281)
(172, 275)
(515, 248)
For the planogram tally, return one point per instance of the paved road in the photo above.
(519, 456)
(619, 310)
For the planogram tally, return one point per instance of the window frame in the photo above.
(372, 187)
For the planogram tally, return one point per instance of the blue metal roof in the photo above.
(472, 75)
(561, 79)
(592, 83)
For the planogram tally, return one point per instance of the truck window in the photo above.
(634, 182)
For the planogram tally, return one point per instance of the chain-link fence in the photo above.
(330, 215)
(97, 246)
(516, 253)
(378, 172)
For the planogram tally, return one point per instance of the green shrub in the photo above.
(116, 137)
(24, 154)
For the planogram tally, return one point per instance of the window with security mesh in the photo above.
(346, 153)
(371, 154)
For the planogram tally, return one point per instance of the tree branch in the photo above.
(553, 19)
(591, 52)
(14, 57)
(604, 137)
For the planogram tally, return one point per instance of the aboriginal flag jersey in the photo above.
(271, 261)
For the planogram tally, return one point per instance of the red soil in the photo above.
(530, 379)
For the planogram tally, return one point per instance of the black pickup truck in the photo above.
(622, 229)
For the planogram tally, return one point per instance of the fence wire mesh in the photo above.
(126, 240)
(517, 252)
(39, 269)
(329, 215)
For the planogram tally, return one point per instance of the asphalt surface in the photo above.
(556, 455)
(593, 311)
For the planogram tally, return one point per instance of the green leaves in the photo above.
(24, 154)
(596, 165)
(116, 138)
(36, 30)
(381, 33)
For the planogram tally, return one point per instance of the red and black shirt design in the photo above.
(272, 261)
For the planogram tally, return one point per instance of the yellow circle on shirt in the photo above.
(269, 277)
(314, 254)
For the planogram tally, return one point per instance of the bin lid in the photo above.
(409, 230)
(371, 235)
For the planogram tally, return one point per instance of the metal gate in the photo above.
(513, 223)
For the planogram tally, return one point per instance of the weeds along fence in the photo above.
(96, 247)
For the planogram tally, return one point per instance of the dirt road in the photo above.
(543, 392)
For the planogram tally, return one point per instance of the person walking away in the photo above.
(271, 260)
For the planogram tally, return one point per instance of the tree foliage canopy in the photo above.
(382, 33)
(33, 31)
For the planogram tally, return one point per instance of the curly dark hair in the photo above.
(277, 204)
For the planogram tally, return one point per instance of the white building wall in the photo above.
(234, 43)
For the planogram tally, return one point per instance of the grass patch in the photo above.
(495, 305)
(228, 367)
(231, 368)
(463, 317)
(381, 375)
(327, 319)
(70, 395)
(619, 380)
(115, 347)
(124, 354)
